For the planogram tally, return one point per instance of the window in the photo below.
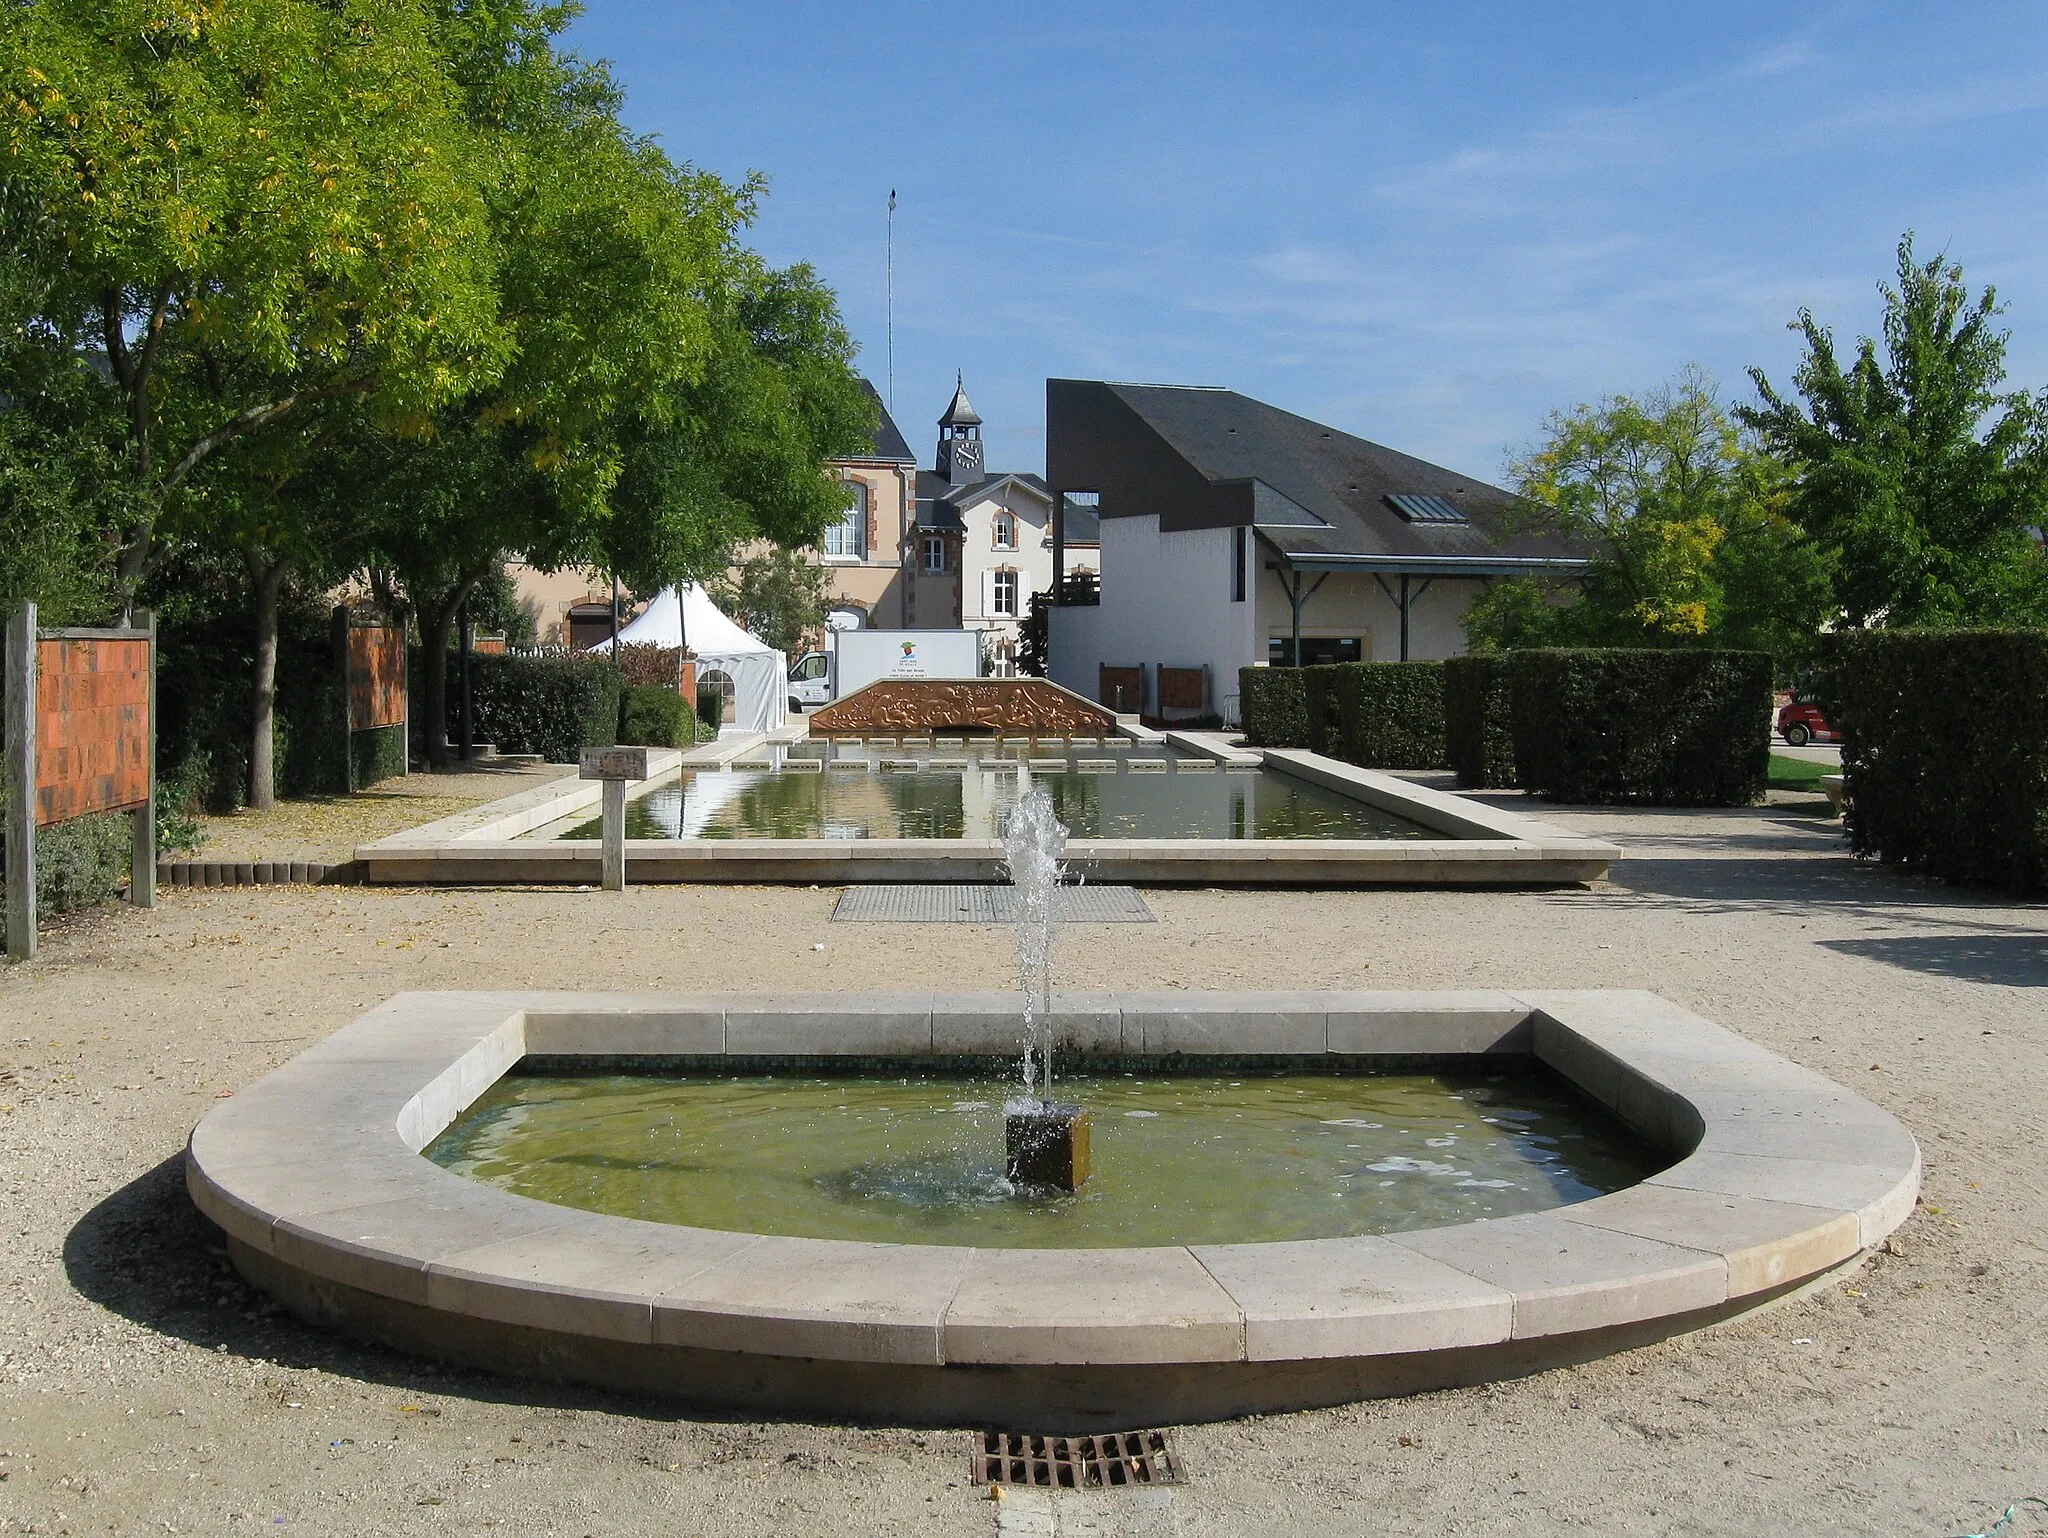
(1239, 538)
(1316, 649)
(848, 535)
(810, 670)
(1006, 531)
(1006, 593)
(934, 553)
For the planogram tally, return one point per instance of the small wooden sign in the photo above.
(614, 764)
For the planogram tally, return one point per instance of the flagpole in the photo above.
(889, 302)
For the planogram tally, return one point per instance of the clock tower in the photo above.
(960, 462)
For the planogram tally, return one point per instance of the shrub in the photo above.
(1945, 761)
(553, 706)
(1382, 715)
(1479, 738)
(657, 718)
(1669, 728)
(1270, 707)
(80, 863)
(642, 663)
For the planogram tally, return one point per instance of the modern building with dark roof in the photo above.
(1234, 533)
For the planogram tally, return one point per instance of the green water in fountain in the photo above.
(918, 1157)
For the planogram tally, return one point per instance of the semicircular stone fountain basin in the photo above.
(1765, 1177)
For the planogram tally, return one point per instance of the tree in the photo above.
(1926, 487)
(779, 596)
(1685, 515)
(258, 207)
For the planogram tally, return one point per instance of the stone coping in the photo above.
(315, 1174)
(1483, 846)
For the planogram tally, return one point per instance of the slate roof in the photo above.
(889, 440)
(939, 504)
(1208, 458)
(960, 413)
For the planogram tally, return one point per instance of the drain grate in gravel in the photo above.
(1118, 1460)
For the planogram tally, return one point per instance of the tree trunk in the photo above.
(437, 619)
(434, 623)
(266, 579)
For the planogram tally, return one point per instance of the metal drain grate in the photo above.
(939, 904)
(1115, 1461)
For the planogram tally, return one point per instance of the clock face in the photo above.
(966, 454)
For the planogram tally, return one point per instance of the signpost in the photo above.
(615, 767)
(81, 739)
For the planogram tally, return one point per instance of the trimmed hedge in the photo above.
(1667, 728)
(1381, 715)
(1479, 737)
(657, 718)
(1270, 707)
(553, 706)
(1945, 757)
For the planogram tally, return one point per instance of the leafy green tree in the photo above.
(259, 207)
(778, 595)
(1925, 485)
(1684, 514)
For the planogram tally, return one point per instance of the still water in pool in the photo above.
(917, 1158)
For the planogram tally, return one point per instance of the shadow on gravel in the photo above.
(147, 1254)
(2018, 960)
(1798, 887)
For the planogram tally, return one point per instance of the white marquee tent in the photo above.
(687, 616)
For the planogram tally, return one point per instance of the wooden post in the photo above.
(468, 718)
(615, 835)
(338, 628)
(142, 862)
(614, 766)
(21, 783)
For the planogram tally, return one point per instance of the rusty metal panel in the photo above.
(1121, 689)
(92, 726)
(376, 676)
(949, 704)
(1183, 688)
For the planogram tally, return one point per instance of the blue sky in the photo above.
(1426, 224)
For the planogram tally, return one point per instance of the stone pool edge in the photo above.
(315, 1176)
(1485, 846)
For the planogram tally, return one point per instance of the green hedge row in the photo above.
(1382, 715)
(1945, 761)
(1614, 726)
(1674, 728)
(1270, 707)
(1479, 736)
(553, 706)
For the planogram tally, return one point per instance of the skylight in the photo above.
(1428, 509)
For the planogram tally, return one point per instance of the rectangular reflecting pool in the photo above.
(917, 1156)
(965, 790)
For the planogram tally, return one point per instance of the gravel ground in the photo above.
(328, 828)
(143, 1389)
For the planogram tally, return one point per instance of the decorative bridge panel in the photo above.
(895, 705)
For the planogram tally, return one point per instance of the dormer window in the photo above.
(1006, 531)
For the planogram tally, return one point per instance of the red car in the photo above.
(1802, 721)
